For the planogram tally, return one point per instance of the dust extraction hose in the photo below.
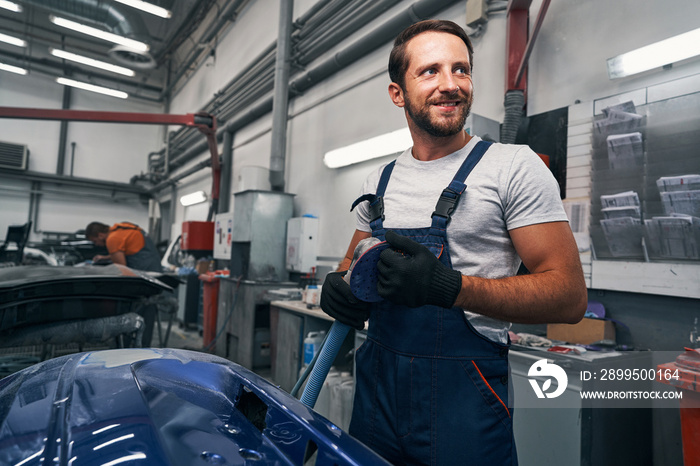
(331, 345)
(335, 338)
(514, 103)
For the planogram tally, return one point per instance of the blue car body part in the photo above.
(161, 407)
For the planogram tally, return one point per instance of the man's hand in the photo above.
(99, 257)
(338, 302)
(411, 275)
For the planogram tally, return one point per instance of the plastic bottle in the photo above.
(341, 392)
(695, 335)
(312, 344)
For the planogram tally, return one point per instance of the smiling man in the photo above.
(432, 377)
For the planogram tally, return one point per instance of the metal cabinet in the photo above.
(570, 431)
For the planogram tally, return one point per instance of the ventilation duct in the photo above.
(109, 17)
(13, 156)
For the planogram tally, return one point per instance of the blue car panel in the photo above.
(161, 407)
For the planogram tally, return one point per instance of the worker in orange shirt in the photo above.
(126, 243)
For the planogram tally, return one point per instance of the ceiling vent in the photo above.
(13, 156)
(132, 58)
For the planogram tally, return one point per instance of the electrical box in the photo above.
(197, 236)
(223, 231)
(485, 128)
(302, 243)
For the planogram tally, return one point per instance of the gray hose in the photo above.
(514, 104)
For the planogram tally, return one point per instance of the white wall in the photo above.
(103, 151)
(567, 64)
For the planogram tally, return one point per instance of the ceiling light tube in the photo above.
(196, 197)
(12, 6)
(100, 34)
(12, 40)
(665, 52)
(91, 62)
(12, 69)
(92, 88)
(147, 7)
(379, 146)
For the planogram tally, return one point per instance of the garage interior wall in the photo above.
(567, 65)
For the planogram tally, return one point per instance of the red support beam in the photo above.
(189, 119)
(516, 42)
(531, 43)
(203, 121)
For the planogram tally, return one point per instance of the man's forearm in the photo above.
(546, 297)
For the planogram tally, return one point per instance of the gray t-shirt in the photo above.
(509, 188)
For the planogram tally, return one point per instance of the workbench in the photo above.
(290, 322)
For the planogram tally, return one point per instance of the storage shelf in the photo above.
(667, 279)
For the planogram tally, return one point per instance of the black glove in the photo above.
(411, 275)
(338, 302)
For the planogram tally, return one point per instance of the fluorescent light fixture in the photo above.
(12, 40)
(665, 52)
(12, 69)
(92, 88)
(379, 146)
(147, 7)
(196, 197)
(91, 62)
(12, 6)
(100, 34)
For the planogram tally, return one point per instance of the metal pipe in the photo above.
(72, 157)
(422, 9)
(322, 17)
(319, 30)
(63, 133)
(226, 173)
(280, 104)
(171, 182)
(332, 37)
(73, 181)
(311, 12)
(229, 14)
(63, 193)
(381, 35)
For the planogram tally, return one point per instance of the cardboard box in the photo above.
(585, 332)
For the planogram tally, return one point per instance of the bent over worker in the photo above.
(458, 216)
(127, 244)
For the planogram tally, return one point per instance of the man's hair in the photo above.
(398, 59)
(94, 228)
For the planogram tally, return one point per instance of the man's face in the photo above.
(99, 240)
(438, 93)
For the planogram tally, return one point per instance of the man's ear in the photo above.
(396, 94)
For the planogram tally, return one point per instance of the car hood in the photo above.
(163, 407)
(38, 294)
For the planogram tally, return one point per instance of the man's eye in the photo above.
(429, 72)
(461, 70)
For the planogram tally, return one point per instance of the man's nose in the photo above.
(448, 84)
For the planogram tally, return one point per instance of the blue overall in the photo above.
(430, 389)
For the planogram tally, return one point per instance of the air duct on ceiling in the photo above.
(112, 18)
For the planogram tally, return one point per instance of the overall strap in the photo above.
(450, 196)
(126, 226)
(376, 201)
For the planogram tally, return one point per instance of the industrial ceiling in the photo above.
(177, 44)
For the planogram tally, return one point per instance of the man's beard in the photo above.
(434, 126)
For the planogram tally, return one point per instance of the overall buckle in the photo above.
(447, 203)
